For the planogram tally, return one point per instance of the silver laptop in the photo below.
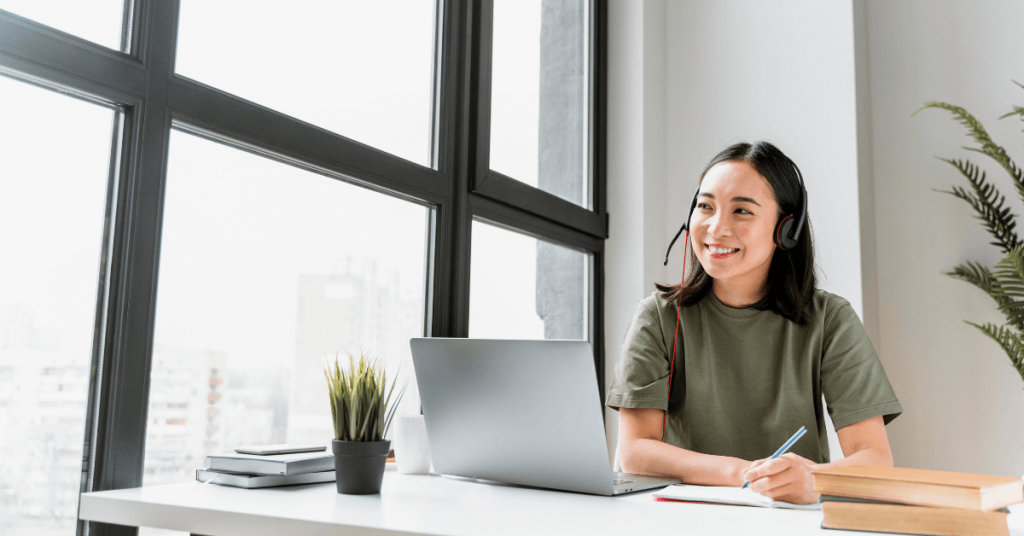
(521, 412)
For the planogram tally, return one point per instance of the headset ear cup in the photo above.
(782, 238)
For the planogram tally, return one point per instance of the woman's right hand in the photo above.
(745, 466)
(786, 478)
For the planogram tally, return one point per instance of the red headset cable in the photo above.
(675, 339)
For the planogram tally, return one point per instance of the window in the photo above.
(99, 21)
(524, 288)
(539, 95)
(51, 239)
(358, 68)
(275, 170)
(266, 271)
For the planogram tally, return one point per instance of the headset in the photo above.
(787, 236)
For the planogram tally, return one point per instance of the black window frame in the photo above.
(151, 99)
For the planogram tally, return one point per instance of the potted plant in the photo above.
(1005, 282)
(362, 408)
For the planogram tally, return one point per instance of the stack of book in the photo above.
(915, 501)
(254, 471)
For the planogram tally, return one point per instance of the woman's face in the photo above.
(736, 211)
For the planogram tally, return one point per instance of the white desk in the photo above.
(431, 505)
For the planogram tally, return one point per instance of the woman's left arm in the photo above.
(853, 382)
(788, 477)
(864, 443)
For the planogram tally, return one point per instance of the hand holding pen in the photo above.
(782, 450)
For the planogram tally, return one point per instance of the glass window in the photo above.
(539, 95)
(524, 288)
(98, 21)
(54, 160)
(362, 69)
(266, 270)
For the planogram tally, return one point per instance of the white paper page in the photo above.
(1015, 520)
(727, 495)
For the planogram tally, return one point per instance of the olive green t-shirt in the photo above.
(745, 379)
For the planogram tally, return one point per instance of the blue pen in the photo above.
(782, 450)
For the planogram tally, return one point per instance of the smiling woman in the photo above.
(728, 229)
(754, 346)
(750, 200)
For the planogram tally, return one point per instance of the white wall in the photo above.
(778, 70)
(636, 169)
(964, 404)
(833, 84)
(711, 74)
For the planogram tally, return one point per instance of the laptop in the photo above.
(523, 412)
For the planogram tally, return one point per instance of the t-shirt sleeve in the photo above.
(852, 378)
(641, 373)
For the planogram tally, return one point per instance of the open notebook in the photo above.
(726, 495)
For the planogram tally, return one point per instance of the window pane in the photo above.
(54, 158)
(265, 271)
(98, 21)
(359, 68)
(539, 97)
(524, 288)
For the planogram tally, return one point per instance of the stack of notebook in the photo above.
(915, 501)
(253, 471)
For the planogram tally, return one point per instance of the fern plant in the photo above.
(1004, 282)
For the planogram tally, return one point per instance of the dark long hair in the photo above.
(791, 278)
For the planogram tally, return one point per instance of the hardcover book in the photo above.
(920, 487)
(274, 464)
(907, 519)
(262, 481)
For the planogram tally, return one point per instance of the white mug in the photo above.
(412, 451)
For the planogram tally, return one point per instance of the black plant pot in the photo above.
(359, 465)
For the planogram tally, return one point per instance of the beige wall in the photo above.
(964, 405)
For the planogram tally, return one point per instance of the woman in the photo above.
(748, 346)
